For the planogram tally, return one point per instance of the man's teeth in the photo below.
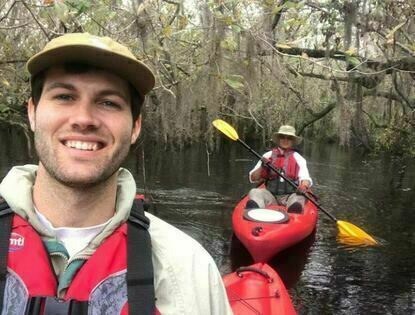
(82, 145)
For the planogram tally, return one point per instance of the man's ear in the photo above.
(136, 130)
(31, 113)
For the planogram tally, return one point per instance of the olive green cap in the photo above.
(101, 52)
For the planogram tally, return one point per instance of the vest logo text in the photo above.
(16, 242)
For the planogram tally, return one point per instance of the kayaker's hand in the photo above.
(302, 189)
(264, 169)
(264, 161)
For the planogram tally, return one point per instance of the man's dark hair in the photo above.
(38, 81)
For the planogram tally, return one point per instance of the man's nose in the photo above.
(84, 116)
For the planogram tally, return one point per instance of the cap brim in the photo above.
(132, 70)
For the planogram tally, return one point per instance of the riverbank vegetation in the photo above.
(341, 71)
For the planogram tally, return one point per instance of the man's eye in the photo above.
(64, 97)
(110, 104)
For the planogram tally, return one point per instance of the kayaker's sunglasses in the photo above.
(282, 137)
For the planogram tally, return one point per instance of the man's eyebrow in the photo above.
(109, 92)
(102, 93)
(57, 85)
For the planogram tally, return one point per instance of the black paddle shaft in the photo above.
(289, 181)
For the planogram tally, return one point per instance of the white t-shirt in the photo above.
(303, 173)
(74, 239)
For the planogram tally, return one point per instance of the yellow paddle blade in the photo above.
(353, 235)
(226, 129)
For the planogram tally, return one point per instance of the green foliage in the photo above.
(397, 141)
(4, 109)
(229, 44)
(68, 10)
(81, 6)
(62, 11)
(287, 5)
(353, 61)
(234, 81)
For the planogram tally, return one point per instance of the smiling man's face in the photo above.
(83, 126)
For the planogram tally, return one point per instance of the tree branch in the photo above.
(8, 11)
(317, 7)
(171, 2)
(3, 62)
(177, 4)
(325, 110)
(317, 76)
(317, 116)
(277, 16)
(182, 70)
(400, 45)
(36, 20)
(392, 96)
(13, 27)
(405, 64)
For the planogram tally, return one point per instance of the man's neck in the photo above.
(66, 206)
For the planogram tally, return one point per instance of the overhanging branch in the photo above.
(8, 11)
(317, 76)
(317, 116)
(277, 16)
(3, 62)
(404, 64)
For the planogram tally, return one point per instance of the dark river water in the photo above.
(196, 190)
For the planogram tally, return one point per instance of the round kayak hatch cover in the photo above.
(266, 215)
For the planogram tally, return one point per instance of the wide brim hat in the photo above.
(101, 52)
(287, 130)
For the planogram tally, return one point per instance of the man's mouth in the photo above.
(83, 145)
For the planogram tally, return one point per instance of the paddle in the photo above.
(352, 234)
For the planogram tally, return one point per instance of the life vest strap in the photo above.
(6, 218)
(140, 273)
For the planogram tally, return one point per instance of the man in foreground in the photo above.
(291, 164)
(71, 250)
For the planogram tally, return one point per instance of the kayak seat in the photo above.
(266, 216)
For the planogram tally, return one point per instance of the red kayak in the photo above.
(257, 289)
(266, 232)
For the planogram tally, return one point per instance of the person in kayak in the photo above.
(291, 164)
(71, 224)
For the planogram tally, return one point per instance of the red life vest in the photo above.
(101, 281)
(284, 161)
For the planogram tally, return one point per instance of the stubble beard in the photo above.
(100, 172)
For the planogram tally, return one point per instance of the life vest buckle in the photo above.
(50, 305)
(54, 306)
